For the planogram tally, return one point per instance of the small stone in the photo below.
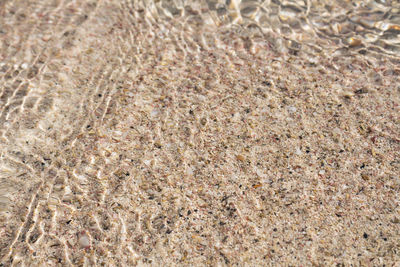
(203, 121)
(365, 177)
(52, 203)
(361, 91)
(46, 37)
(157, 145)
(154, 113)
(395, 220)
(89, 51)
(240, 158)
(292, 109)
(348, 95)
(255, 186)
(84, 241)
(394, 27)
(353, 42)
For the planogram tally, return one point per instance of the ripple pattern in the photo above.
(199, 132)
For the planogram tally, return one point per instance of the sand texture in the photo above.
(199, 133)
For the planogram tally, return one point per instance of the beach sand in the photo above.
(148, 134)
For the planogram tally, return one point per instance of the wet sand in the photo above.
(129, 136)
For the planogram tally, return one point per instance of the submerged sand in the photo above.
(128, 138)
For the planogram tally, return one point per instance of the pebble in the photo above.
(292, 109)
(354, 42)
(84, 241)
(154, 113)
(240, 158)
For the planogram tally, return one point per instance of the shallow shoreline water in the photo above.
(239, 133)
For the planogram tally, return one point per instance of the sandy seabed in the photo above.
(128, 139)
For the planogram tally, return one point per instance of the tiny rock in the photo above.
(240, 158)
(353, 42)
(292, 109)
(84, 241)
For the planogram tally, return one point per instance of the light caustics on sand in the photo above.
(199, 132)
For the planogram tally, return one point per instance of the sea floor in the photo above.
(193, 133)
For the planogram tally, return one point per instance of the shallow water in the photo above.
(199, 132)
(303, 28)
